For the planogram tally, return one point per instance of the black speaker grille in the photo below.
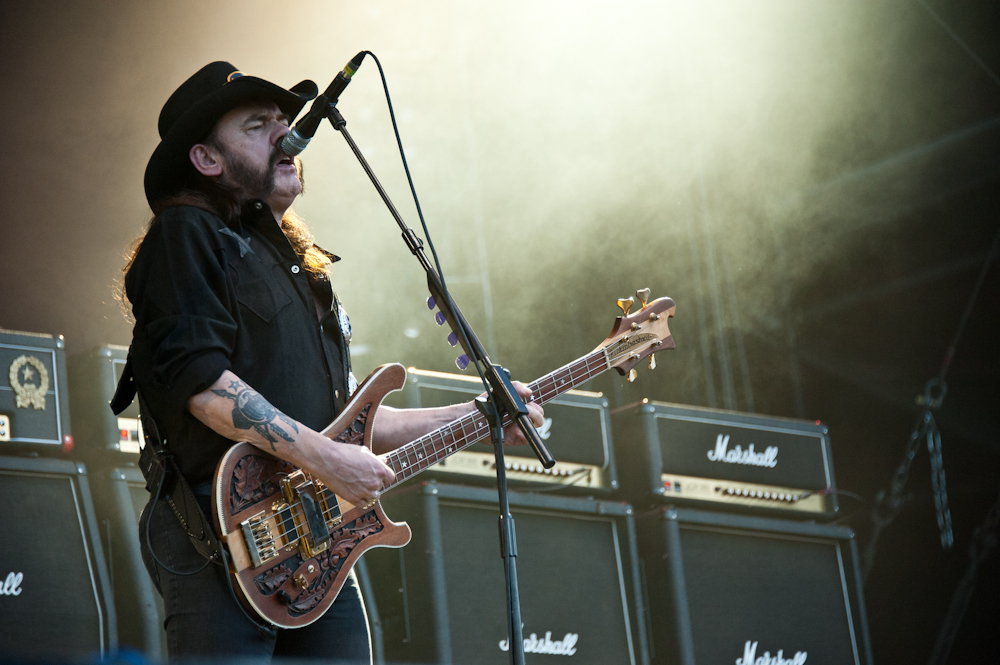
(58, 613)
(570, 579)
(443, 597)
(783, 592)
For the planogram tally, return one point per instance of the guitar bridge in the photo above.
(259, 540)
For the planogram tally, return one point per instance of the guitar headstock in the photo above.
(639, 335)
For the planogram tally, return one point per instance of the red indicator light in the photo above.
(67, 443)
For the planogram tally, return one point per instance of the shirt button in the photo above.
(336, 393)
(295, 270)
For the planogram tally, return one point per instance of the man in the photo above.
(239, 337)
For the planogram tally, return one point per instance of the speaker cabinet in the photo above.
(119, 498)
(55, 597)
(733, 589)
(442, 598)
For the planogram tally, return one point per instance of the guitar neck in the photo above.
(416, 456)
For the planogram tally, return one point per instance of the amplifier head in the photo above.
(696, 456)
(34, 408)
(577, 431)
(101, 436)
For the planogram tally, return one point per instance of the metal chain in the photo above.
(937, 482)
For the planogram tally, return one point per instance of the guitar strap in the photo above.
(163, 478)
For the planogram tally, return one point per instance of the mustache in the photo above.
(277, 154)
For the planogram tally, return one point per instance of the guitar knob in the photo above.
(625, 304)
(643, 295)
(652, 361)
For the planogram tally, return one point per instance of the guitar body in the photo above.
(277, 566)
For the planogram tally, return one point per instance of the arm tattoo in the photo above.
(252, 411)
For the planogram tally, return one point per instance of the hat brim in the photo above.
(170, 167)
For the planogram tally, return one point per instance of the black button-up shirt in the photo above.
(206, 298)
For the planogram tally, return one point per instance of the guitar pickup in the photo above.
(298, 490)
(313, 512)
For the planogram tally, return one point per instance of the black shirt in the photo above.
(206, 298)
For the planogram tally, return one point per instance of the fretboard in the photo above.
(416, 456)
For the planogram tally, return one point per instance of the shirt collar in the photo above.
(256, 211)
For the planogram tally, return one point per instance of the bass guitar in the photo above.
(292, 541)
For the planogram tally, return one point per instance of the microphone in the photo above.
(296, 140)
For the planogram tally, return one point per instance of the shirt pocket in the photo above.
(255, 292)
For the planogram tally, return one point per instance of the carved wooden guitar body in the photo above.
(293, 542)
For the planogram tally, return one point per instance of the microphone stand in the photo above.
(503, 404)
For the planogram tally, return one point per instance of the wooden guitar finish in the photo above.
(293, 542)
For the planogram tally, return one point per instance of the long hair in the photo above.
(213, 196)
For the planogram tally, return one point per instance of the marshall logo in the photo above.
(12, 585)
(737, 455)
(30, 381)
(750, 657)
(532, 644)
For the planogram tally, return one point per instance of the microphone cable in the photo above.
(427, 235)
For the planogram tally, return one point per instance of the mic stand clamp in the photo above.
(503, 401)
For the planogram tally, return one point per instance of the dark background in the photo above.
(815, 184)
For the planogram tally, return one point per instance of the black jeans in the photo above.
(203, 621)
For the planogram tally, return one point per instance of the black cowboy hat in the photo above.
(195, 107)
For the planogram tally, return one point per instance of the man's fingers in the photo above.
(537, 414)
(522, 390)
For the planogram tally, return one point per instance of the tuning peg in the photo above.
(439, 318)
(453, 339)
(643, 295)
(462, 361)
(430, 302)
(652, 361)
(625, 304)
(631, 375)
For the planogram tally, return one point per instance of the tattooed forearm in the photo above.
(252, 411)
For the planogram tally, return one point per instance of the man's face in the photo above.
(248, 140)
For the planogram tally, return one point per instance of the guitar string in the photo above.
(424, 461)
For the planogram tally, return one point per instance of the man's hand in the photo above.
(512, 434)
(352, 472)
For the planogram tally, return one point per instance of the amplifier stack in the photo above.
(706, 570)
